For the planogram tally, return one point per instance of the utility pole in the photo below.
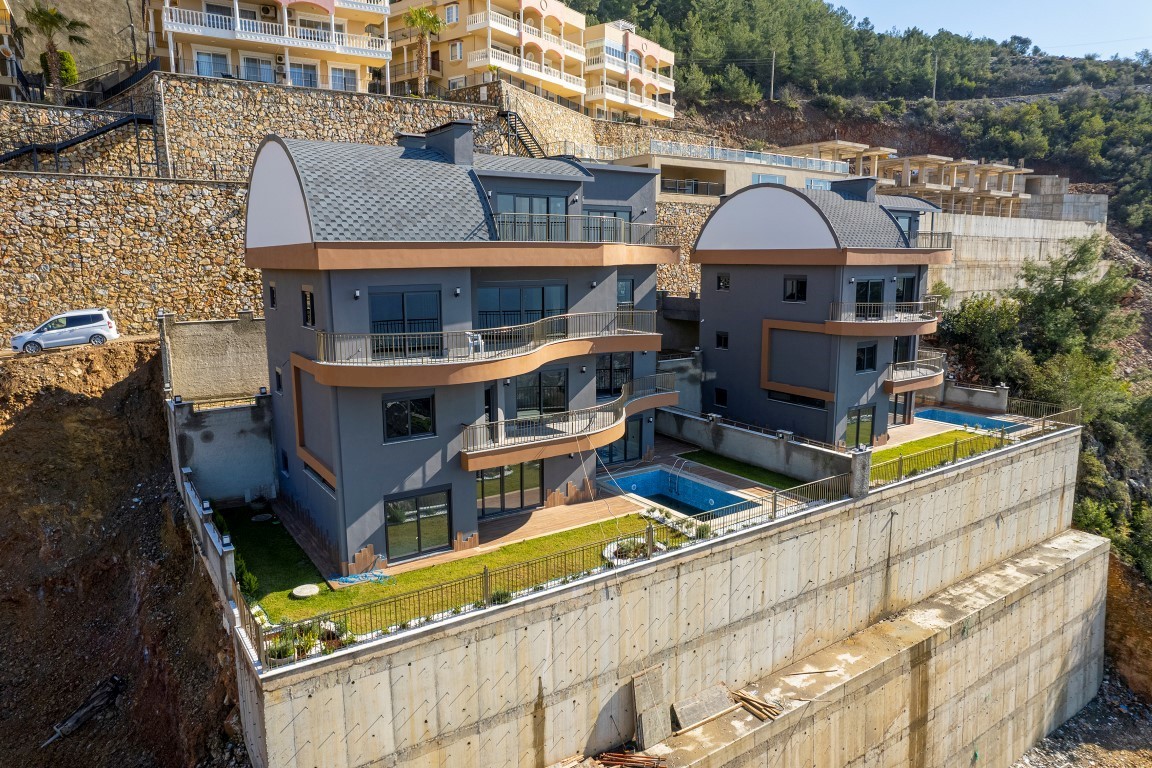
(935, 69)
(772, 81)
(132, 28)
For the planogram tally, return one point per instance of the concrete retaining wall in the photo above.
(206, 359)
(975, 675)
(994, 399)
(798, 460)
(549, 675)
(228, 450)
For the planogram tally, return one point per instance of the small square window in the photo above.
(279, 381)
(284, 462)
(721, 398)
(866, 357)
(308, 309)
(455, 51)
(272, 295)
(408, 417)
(451, 13)
(721, 339)
(723, 281)
(796, 288)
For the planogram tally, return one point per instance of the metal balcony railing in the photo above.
(873, 312)
(934, 240)
(550, 426)
(691, 187)
(581, 228)
(479, 345)
(928, 363)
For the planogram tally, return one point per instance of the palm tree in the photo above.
(427, 23)
(50, 24)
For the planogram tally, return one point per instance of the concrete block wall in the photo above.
(543, 678)
(798, 460)
(973, 676)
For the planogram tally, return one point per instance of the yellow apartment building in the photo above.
(336, 44)
(13, 84)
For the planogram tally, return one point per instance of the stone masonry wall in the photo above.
(213, 126)
(123, 151)
(135, 246)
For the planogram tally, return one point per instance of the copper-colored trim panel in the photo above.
(828, 257)
(336, 375)
(499, 457)
(331, 256)
(766, 382)
(911, 385)
(302, 451)
(872, 328)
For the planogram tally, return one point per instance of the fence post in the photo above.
(955, 450)
(650, 539)
(486, 579)
(775, 497)
(1003, 434)
(900, 467)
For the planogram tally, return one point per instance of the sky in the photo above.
(1060, 27)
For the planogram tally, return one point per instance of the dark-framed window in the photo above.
(272, 295)
(788, 397)
(721, 339)
(411, 311)
(625, 293)
(866, 357)
(723, 281)
(501, 305)
(409, 417)
(612, 370)
(627, 448)
(541, 392)
(720, 399)
(510, 488)
(279, 381)
(796, 288)
(415, 525)
(861, 423)
(308, 308)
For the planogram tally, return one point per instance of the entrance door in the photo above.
(627, 448)
(869, 298)
(900, 408)
(417, 525)
(860, 426)
(513, 488)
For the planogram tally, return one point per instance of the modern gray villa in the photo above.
(812, 306)
(451, 335)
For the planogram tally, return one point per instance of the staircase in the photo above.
(62, 137)
(519, 136)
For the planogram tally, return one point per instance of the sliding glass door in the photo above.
(501, 490)
(417, 525)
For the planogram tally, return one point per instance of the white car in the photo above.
(80, 326)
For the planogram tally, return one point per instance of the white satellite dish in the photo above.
(7, 52)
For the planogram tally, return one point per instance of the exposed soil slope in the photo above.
(95, 577)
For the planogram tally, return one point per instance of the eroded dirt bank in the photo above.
(95, 578)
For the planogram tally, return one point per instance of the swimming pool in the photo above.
(678, 492)
(968, 420)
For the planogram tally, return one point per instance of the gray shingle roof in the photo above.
(857, 224)
(517, 164)
(905, 203)
(368, 193)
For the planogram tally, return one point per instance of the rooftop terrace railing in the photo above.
(706, 152)
(581, 228)
(479, 345)
(550, 426)
(691, 187)
(882, 312)
(939, 241)
(928, 362)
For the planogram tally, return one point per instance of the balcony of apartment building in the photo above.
(555, 28)
(691, 181)
(532, 62)
(648, 69)
(923, 372)
(288, 29)
(863, 317)
(648, 104)
(510, 441)
(483, 353)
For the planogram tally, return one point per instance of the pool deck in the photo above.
(906, 433)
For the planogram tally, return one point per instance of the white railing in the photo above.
(550, 426)
(705, 152)
(380, 6)
(496, 19)
(513, 63)
(215, 25)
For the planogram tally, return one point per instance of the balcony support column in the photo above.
(236, 15)
(332, 26)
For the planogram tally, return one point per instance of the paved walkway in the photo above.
(906, 433)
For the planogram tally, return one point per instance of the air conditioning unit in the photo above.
(291, 14)
(280, 59)
(516, 51)
(268, 11)
(280, 68)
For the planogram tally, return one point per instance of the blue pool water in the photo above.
(681, 493)
(967, 419)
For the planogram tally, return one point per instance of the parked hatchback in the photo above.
(80, 326)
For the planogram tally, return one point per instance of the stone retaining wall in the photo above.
(124, 151)
(135, 246)
(687, 219)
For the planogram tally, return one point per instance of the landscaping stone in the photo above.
(305, 591)
(261, 518)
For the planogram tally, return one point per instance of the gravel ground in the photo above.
(1113, 731)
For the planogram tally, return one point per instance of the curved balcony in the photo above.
(901, 318)
(498, 443)
(484, 354)
(926, 371)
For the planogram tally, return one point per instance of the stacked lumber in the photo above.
(630, 760)
(761, 708)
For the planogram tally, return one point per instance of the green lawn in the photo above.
(923, 444)
(280, 565)
(742, 469)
